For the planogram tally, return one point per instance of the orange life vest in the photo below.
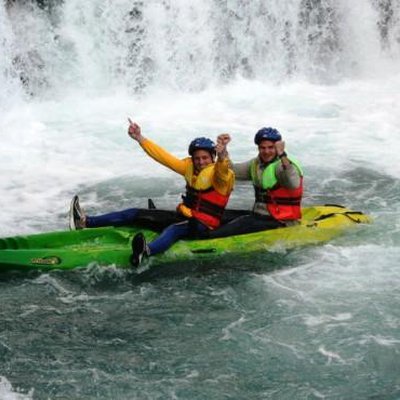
(205, 203)
(282, 203)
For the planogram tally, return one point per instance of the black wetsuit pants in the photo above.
(234, 222)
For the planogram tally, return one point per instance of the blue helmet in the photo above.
(202, 143)
(270, 134)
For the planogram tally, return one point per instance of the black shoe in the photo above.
(139, 249)
(76, 215)
(151, 205)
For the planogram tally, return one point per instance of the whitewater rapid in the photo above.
(53, 148)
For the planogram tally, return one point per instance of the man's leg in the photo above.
(245, 224)
(151, 219)
(168, 237)
(116, 218)
(186, 229)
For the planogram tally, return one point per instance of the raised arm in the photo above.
(287, 173)
(156, 152)
(241, 170)
(224, 178)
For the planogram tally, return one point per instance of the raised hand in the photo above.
(280, 147)
(134, 131)
(222, 142)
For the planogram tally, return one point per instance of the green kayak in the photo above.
(112, 246)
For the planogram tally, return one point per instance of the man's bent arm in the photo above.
(242, 170)
(288, 176)
(224, 178)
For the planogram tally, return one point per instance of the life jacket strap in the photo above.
(193, 201)
(209, 208)
(264, 196)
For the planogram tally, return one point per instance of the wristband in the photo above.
(282, 155)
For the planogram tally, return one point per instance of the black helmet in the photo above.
(202, 143)
(270, 134)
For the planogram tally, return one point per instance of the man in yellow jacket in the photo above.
(209, 183)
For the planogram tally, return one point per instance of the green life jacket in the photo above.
(282, 203)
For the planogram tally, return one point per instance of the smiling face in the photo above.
(201, 158)
(267, 151)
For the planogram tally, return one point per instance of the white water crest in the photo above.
(324, 73)
(7, 392)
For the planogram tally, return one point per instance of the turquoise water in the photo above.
(214, 333)
(317, 322)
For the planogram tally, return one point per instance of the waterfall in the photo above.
(50, 47)
(9, 80)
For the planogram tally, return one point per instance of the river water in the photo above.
(314, 323)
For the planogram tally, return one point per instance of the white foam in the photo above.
(7, 392)
(331, 356)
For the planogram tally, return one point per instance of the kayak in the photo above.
(107, 246)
